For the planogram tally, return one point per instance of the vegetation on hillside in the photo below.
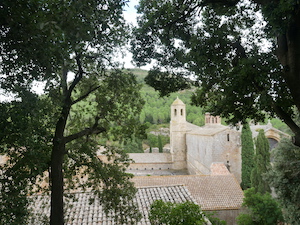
(243, 65)
(156, 111)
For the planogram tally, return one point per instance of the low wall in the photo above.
(150, 161)
(228, 215)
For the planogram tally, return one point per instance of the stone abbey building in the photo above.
(196, 149)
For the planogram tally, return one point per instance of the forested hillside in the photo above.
(156, 113)
(157, 109)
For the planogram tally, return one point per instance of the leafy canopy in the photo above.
(69, 46)
(263, 209)
(186, 213)
(284, 177)
(234, 51)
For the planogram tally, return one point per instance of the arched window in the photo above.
(181, 112)
(175, 112)
(228, 138)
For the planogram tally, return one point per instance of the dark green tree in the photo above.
(160, 146)
(168, 213)
(262, 164)
(23, 123)
(247, 156)
(263, 209)
(244, 65)
(284, 177)
(68, 45)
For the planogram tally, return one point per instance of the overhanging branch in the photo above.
(288, 121)
(79, 74)
(85, 95)
(95, 129)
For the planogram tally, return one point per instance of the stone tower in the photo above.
(178, 128)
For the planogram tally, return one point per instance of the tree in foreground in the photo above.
(186, 213)
(262, 164)
(247, 156)
(263, 209)
(67, 45)
(284, 177)
(242, 55)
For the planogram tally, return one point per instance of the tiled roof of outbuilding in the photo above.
(84, 213)
(215, 192)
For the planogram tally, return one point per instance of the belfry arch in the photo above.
(273, 138)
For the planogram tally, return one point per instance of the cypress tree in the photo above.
(262, 164)
(160, 147)
(247, 156)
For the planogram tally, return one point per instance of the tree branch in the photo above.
(85, 95)
(79, 74)
(288, 121)
(95, 129)
(64, 79)
(228, 3)
(185, 13)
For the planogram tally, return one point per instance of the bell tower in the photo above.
(178, 128)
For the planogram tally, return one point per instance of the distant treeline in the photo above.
(157, 109)
(156, 112)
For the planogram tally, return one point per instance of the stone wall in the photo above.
(199, 153)
(150, 161)
(203, 150)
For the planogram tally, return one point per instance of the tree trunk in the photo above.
(288, 53)
(56, 181)
(57, 184)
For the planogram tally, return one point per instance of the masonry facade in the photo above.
(200, 147)
(194, 149)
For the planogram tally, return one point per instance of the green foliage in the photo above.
(262, 164)
(133, 145)
(168, 213)
(69, 45)
(263, 209)
(157, 141)
(109, 180)
(278, 124)
(284, 177)
(157, 109)
(239, 62)
(24, 138)
(214, 220)
(160, 146)
(247, 156)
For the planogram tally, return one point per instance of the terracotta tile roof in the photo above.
(210, 192)
(84, 213)
(219, 169)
